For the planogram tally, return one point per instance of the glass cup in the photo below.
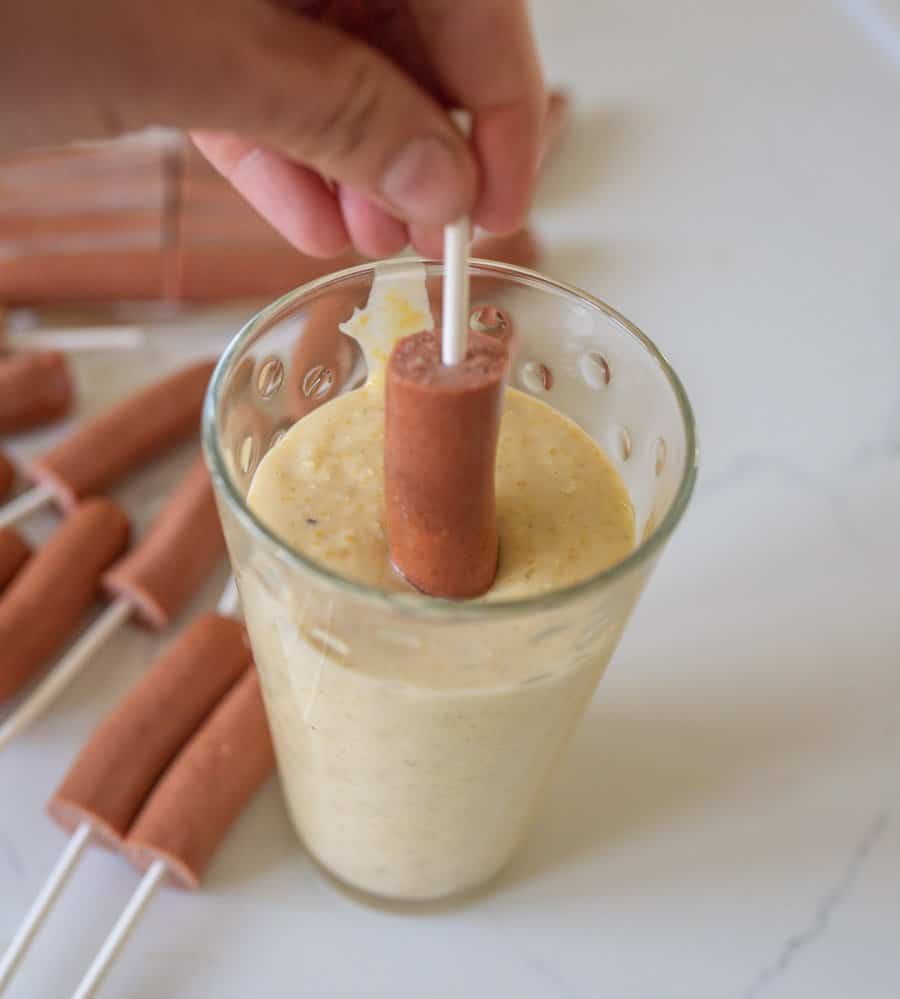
(420, 790)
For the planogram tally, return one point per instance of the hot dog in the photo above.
(183, 544)
(133, 432)
(7, 475)
(321, 347)
(441, 430)
(206, 787)
(117, 769)
(86, 276)
(45, 601)
(35, 388)
(14, 553)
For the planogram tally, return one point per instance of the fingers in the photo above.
(373, 231)
(516, 246)
(427, 241)
(505, 142)
(503, 85)
(304, 209)
(309, 99)
(292, 198)
(324, 99)
(555, 119)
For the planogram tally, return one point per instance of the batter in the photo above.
(412, 764)
(563, 513)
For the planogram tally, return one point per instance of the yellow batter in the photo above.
(563, 513)
(412, 752)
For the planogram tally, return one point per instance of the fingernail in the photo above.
(427, 183)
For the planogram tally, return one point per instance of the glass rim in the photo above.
(419, 604)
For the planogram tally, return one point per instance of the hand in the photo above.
(328, 116)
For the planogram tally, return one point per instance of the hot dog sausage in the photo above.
(35, 388)
(441, 431)
(126, 436)
(14, 553)
(206, 787)
(117, 769)
(183, 544)
(46, 600)
(7, 475)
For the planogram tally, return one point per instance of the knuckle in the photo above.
(329, 124)
(338, 128)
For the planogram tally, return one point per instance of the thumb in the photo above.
(328, 101)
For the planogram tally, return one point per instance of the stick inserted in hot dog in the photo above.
(117, 768)
(133, 432)
(203, 791)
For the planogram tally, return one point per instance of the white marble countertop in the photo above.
(727, 820)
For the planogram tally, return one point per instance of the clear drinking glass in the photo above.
(416, 791)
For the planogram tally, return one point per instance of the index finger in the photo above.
(484, 53)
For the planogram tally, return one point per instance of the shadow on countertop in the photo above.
(626, 778)
(612, 134)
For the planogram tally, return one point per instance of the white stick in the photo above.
(121, 931)
(41, 906)
(26, 504)
(455, 317)
(229, 601)
(228, 604)
(81, 338)
(71, 664)
(34, 919)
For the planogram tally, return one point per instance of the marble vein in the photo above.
(551, 975)
(799, 942)
(9, 851)
(875, 26)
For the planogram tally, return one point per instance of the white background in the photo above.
(726, 822)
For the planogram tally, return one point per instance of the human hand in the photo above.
(328, 116)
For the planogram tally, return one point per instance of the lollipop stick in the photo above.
(71, 664)
(41, 906)
(75, 660)
(81, 338)
(23, 505)
(132, 912)
(70, 856)
(229, 601)
(457, 237)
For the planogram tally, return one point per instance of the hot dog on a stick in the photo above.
(105, 449)
(7, 475)
(442, 425)
(443, 397)
(115, 771)
(192, 808)
(36, 388)
(46, 600)
(14, 553)
(152, 583)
